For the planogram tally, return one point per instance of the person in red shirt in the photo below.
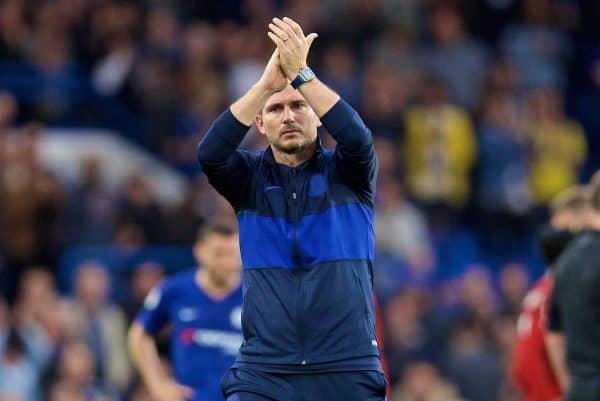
(536, 371)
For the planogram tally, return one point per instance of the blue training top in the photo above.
(206, 332)
(307, 244)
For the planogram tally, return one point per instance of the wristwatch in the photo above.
(305, 75)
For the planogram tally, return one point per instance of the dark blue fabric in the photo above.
(307, 242)
(248, 385)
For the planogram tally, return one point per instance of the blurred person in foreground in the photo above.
(575, 303)
(535, 368)
(203, 307)
(306, 234)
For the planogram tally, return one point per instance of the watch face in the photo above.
(307, 74)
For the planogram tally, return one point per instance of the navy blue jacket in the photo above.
(307, 244)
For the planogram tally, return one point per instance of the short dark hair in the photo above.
(219, 225)
(573, 198)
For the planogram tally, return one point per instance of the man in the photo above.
(203, 306)
(306, 235)
(575, 306)
(537, 367)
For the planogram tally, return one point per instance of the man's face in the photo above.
(288, 121)
(220, 255)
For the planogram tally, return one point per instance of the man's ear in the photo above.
(319, 123)
(260, 123)
(198, 251)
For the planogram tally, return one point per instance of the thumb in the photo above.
(311, 38)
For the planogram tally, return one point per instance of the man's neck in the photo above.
(212, 287)
(295, 159)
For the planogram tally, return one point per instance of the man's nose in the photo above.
(288, 115)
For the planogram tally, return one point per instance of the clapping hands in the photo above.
(292, 45)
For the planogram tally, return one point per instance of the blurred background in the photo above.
(482, 111)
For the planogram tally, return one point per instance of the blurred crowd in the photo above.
(482, 111)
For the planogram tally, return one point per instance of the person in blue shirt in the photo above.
(305, 216)
(203, 307)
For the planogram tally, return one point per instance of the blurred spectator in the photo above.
(558, 146)
(397, 47)
(338, 70)
(13, 31)
(62, 391)
(538, 49)
(383, 100)
(8, 108)
(76, 375)
(458, 60)
(478, 298)
(439, 150)
(422, 382)
(401, 229)
(140, 218)
(31, 199)
(101, 324)
(503, 197)
(145, 277)
(93, 210)
(587, 102)
(183, 220)
(114, 51)
(19, 374)
(503, 160)
(473, 365)
(407, 338)
(514, 282)
(387, 155)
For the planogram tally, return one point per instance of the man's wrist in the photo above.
(304, 76)
(263, 89)
(294, 73)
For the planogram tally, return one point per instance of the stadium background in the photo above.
(481, 110)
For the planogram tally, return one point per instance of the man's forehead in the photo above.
(287, 95)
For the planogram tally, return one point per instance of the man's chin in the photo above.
(291, 147)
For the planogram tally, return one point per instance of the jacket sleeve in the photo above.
(227, 168)
(355, 157)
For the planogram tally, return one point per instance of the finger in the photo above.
(278, 42)
(279, 32)
(311, 38)
(295, 26)
(288, 29)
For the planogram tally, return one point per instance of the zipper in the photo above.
(300, 293)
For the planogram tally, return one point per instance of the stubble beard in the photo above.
(290, 149)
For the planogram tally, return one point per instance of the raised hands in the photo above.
(273, 78)
(292, 45)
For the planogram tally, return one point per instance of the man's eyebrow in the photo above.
(273, 105)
